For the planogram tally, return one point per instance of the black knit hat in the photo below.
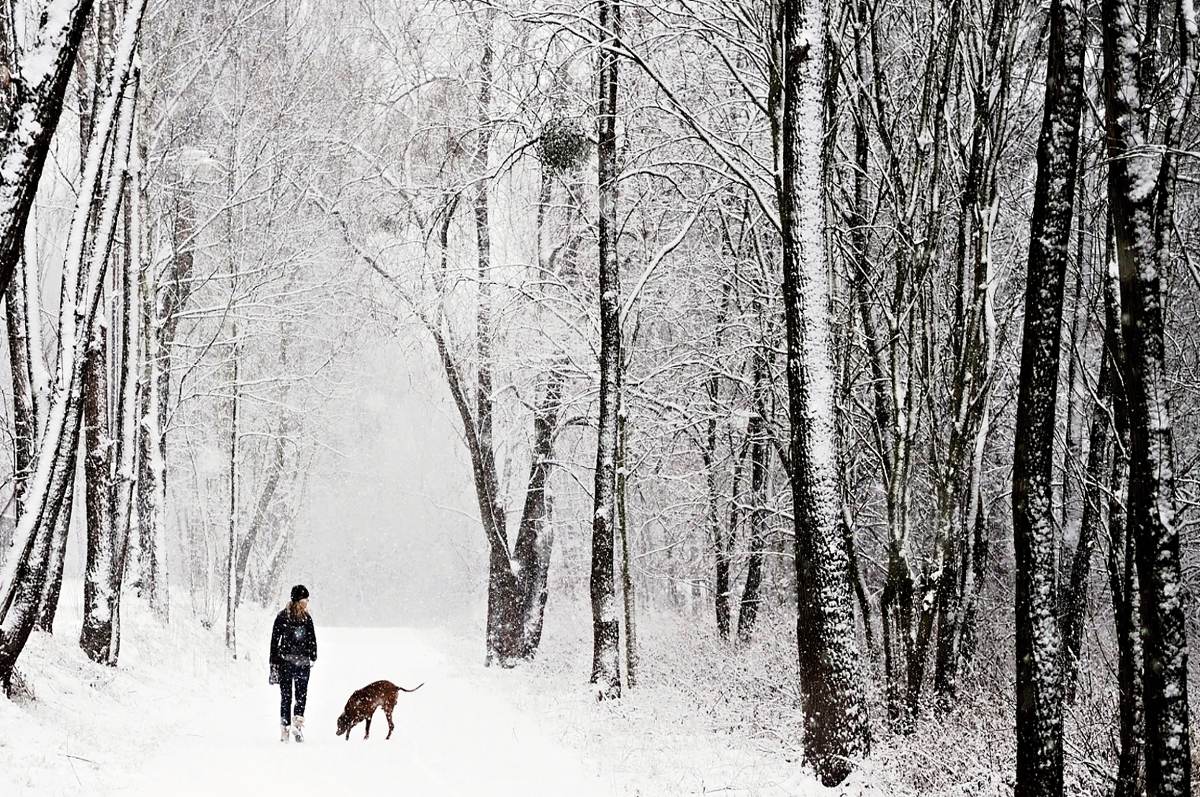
(299, 593)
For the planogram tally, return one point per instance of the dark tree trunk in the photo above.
(628, 593)
(20, 615)
(606, 673)
(1075, 597)
(756, 432)
(1141, 192)
(24, 403)
(836, 724)
(1122, 553)
(723, 541)
(1038, 645)
(535, 535)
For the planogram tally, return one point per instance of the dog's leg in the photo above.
(387, 712)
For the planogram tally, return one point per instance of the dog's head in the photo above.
(343, 724)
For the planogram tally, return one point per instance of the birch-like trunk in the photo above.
(36, 108)
(606, 672)
(22, 576)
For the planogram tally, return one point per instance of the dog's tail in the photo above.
(415, 688)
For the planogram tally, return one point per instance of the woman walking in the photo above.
(293, 651)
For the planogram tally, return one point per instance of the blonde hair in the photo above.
(295, 610)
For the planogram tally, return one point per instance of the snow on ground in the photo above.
(179, 717)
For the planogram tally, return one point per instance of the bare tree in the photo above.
(1141, 192)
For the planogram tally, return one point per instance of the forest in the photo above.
(838, 359)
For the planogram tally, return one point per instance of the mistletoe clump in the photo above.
(562, 144)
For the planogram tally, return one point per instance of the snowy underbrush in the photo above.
(709, 715)
(71, 720)
(703, 718)
(972, 749)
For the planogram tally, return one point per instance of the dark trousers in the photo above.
(292, 675)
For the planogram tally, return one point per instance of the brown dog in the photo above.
(362, 704)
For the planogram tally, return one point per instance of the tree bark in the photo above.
(21, 352)
(1038, 644)
(1141, 187)
(1122, 551)
(535, 535)
(606, 673)
(756, 432)
(1075, 597)
(234, 510)
(36, 108)
(628, 590)
(836, 724)
(22, 576)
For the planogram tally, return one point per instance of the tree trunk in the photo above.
(1038, 648)
(836, 724)
(36, 108)
(628, 594)
(259, 519)
(105, 573)
(1122, 551)
(1141, 185)
(158, 326)
(756, 431)
(21, 351)
(22, 576)
(57, 557)
(606, 673)
(234, 473)
(1075, 599)
(536, 536)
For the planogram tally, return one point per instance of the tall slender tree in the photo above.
(836, 730)
(606, 673)
(1141, 193)
(1039, 672)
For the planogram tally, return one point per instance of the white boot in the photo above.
(283, 733)
(298, 727)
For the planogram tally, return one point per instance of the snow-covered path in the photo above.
(452, 737)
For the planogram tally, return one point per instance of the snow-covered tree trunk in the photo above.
(24, 410)
(23, 573)
(160, 306)
(262, 505)
(1141, 193)
(836, 730)
(1038, 644)
(606, 673)
(531, 553)
(36, 107)
(18, 305)
(108, 537)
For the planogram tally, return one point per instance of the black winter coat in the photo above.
(293, 641)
